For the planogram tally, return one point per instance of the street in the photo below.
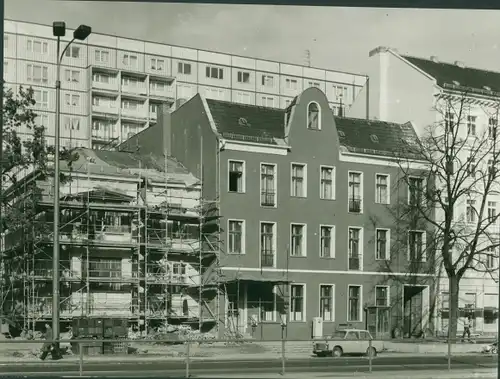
(204, 367)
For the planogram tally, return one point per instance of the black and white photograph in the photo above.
(249, 191)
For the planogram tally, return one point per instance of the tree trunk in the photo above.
(453, 307)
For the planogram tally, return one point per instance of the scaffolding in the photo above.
(137, 242)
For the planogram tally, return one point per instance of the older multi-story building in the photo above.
(112, 86)
(418, 89)
(303, 198)
(131, 244)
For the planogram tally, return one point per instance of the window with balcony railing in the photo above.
(354, 192)
(268, 185)
(354, 249)
(267, 244)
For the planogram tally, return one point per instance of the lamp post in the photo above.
(81, 33)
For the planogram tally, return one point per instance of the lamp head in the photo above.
(59, 28)
(82, 32)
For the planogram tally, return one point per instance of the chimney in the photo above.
(434, 59)
(459, 64)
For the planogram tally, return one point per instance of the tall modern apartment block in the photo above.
(112, 86)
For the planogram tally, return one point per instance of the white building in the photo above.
(406, 88)
(112, 86)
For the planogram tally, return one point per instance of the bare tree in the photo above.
(459, 170)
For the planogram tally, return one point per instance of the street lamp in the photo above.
(81, 33)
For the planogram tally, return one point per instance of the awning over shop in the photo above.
(255, 277)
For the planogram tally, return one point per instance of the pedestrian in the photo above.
(467, 325)
(48, 347)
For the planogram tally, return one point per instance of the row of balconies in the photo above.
(117, 271)
(137, 88)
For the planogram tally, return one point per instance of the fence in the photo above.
(188, 356)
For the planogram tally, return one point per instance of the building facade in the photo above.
(303, 198)
(418, 89)
(130, 245)
(112, 86)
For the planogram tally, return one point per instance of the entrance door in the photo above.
(413, 310)
(236, 312)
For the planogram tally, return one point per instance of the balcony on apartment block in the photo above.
(133, 110)
(104, 131)
(105, 106)
(133, 86)
(162, 90)
(103, 81)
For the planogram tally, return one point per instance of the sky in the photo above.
(337, 38)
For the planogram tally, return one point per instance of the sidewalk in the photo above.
(461, 374)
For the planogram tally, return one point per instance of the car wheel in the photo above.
(337, 352)
(371, 352)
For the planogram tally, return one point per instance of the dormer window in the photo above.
(313, 113)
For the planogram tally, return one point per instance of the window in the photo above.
(354, 312)
(492, 127)
(156, 86)
(133, 105)
(326, 301)
(184, 68)
(327, 241)
(243, 77)
(37, 46)
(327, 177)
(471, 125)
(101, 56)
(382, 296)
(416, 246)
(415, 190)
(268, 185)
(291, 84)
(72, 76)
(299, 182)
(268, 81)
(267, 244)
(313, 116)
(298, 240)
(267, 101)
(471, 169)
(153, 108)
(354, 192)
(41, 98)
(72, 100)
(101, 78)
(470, 211)
(236, 176)
(354, 236)
(489, 261)
(314, 84)
(492, 212)
(297, 300)
(445, 300)
(214, 72)
(42, 120)
(268, 305)
(71, 123)
(243, 98)
(235, 237)
(157, 64)
(37, 74)
(382, 189)
(130, 60)
(5, 41)
(449, 119)
(73, 52)
(339, 93)
(382, 244)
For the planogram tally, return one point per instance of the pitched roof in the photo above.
(373, 136)
(127, 164)
(247, 122)
(463, 78)
(266, 125)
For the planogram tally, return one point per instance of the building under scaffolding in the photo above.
(136, 241)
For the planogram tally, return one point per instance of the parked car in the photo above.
(348, 341)
(491, 348)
